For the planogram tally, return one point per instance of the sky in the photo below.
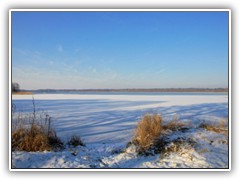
(99, 50)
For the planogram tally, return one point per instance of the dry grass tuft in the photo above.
(17, 137)
(75, 141)
(205, 150)
(149, 135)
(147, 132)
(34, 133)
(220, 128)
(152, 135)
(33, 139)
(174, 125)
(179, 145)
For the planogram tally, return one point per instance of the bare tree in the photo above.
(15, 87)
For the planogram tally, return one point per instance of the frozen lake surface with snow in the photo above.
(106, 124)
(99, 118)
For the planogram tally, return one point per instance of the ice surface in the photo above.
(101, 118)
(106, 123)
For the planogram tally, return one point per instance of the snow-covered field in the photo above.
(106, 124)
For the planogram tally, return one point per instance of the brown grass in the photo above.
(179, 145)
(35, 139)
(149, 135)
(22, 93)
(147, 132)
(174, 125)
(30, 140)
(34, 132)
(220, 128)
(205, 150)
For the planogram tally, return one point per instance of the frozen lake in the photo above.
(112, 118)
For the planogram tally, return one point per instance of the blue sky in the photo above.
(81, 50)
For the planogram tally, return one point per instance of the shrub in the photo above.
(75, 141)
(147, 132)
(54, 141)
(220, 127)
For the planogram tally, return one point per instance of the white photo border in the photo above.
(123, 10)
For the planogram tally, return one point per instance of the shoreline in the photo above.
(22, 93)
(140, 90)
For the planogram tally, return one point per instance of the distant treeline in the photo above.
(135, 90)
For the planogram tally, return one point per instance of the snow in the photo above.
(106, 124)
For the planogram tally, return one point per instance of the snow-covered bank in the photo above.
(210, 151)
(106, 123)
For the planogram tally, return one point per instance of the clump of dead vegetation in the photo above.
(147, 132)
(219, 127)
(35, 139)
(153, 135)
(174, 125)
(75, 141)
(179, 145)
(34, 132)
(149, 135)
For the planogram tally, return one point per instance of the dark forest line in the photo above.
(135, 90)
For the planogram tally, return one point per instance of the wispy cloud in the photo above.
(60, 48)
(160, 71)
(19, 51)
(92, 69)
